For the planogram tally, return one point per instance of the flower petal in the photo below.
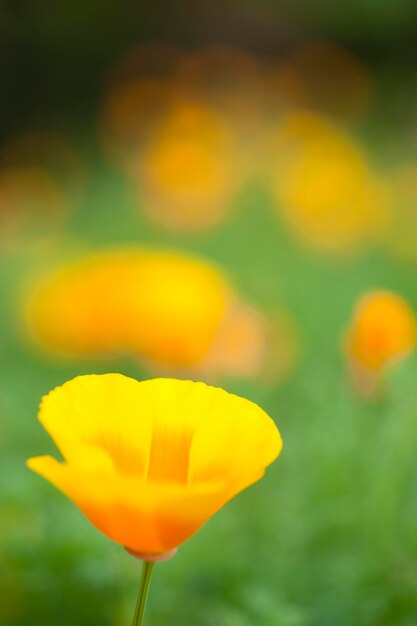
(145, 517)
(243, 436)
(107, 412)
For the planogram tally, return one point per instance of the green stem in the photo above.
(145, 581)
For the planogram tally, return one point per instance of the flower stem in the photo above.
(145, 581)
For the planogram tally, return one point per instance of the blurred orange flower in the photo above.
(184, 128)
(188, 173)
(148, 463)
(383, 330)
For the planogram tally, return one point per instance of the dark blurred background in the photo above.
(55, 56)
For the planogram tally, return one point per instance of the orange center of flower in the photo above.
(169, 455)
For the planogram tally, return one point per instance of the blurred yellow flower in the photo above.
(325, 187)
(176, 309)
(188, 173)
(175, 312)
(148, 463)
(184, 128)
(163, 306)
(383, 330)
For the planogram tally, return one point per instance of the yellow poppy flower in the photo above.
(148, 463)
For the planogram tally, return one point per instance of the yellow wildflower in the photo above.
(148, 463)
